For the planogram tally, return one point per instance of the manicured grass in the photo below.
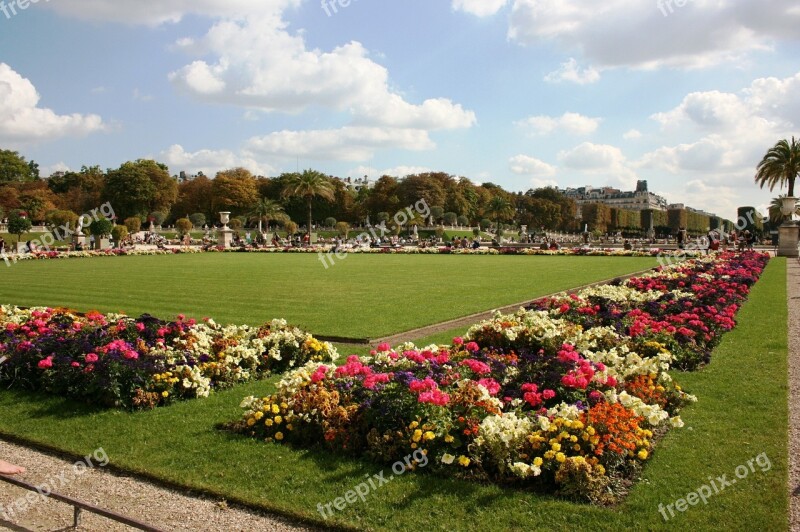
(361, 296)
(742, 413)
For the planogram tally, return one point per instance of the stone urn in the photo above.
(788, 206)
(225, 217)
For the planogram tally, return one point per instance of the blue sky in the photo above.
(686, 94)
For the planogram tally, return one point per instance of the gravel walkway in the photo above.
(156, 506)
(793, 289)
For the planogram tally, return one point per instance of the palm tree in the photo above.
(308, 185)
(780, 164)
(500, 208)
(266, 209)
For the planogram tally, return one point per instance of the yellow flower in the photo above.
(268, 422)
(413, 445)
(276, 409)
(413, 425)
(429, 436)
(279, 436)
(642, 454)
(556, 447)
(417, 435)
(259, 415)
(591, 431)
(278, 420)
(600, 469)
(289, 427)
(560, 457)
(538, 461)
(251, 421)
(165, 394)
(463, 460)
(448, 439)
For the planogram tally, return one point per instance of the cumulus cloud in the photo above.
(632, 134)
(531, 166)
(348, 143)
(479, 8)
(570, 71)
(396, 171)
(211, 161)
(603, 160)
(617, 33)
(574, 123)
(22, 120)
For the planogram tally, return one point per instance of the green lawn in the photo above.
(741, 414)
(361, 296)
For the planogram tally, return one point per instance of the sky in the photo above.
(687, 94)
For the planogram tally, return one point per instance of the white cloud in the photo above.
(570, 71)
(617, 33)
(140, 96)
(573, 123)
(632, 134)
(23, 121)
(210, 161)
(261, 65)
(344, 144)
(603, 160)
(47, 171)
(479, 8)
(531, 166)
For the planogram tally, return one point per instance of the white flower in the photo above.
(448, 458)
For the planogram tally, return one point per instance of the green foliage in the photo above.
(119, 233)
(134, 224)
(343, 229)
(463, 220)
(18, 224)
(236, 224)
(14, 168)
(58, 219)
(184, 225)
(330, 221)
(450, 218)
(780, 165)
(158, 217)
(136, 188)
(101, 227)
(198, 219)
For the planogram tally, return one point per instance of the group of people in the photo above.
(716, 239)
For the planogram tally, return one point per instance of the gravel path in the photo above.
(793, 290)
(156, 506)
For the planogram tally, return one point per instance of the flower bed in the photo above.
(115, 360)
(568, 396)
(669, 255)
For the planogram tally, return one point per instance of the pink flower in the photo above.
(473, 347)
(181, 317)
(319, 375)
(91, 358)
(140, 327)
(76, 364)
(548, 394)
(491, 385)
(477, 366)
(384, 347)
(46, 363)
(458, 340)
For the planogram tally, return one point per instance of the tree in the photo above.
(462, 220)
(330, 221)
(235, 190)
(500, 209)
(308, 185)
(195, 195)
(119, 233)
(343, 229)
(266, 210)
(14, 168)
(236, 224)
(183, 225)
(101, 227)
(19, 223)
(140, 187)
(290, 227)
(158, 217)
(437, 213)
(59, 219)
(781, 164)
(450, 218)
(133, 224)
(198, 219)
(776, 215)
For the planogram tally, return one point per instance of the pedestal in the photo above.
(101, 244)
(225, 238)
(788, 237)
(79, 241)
